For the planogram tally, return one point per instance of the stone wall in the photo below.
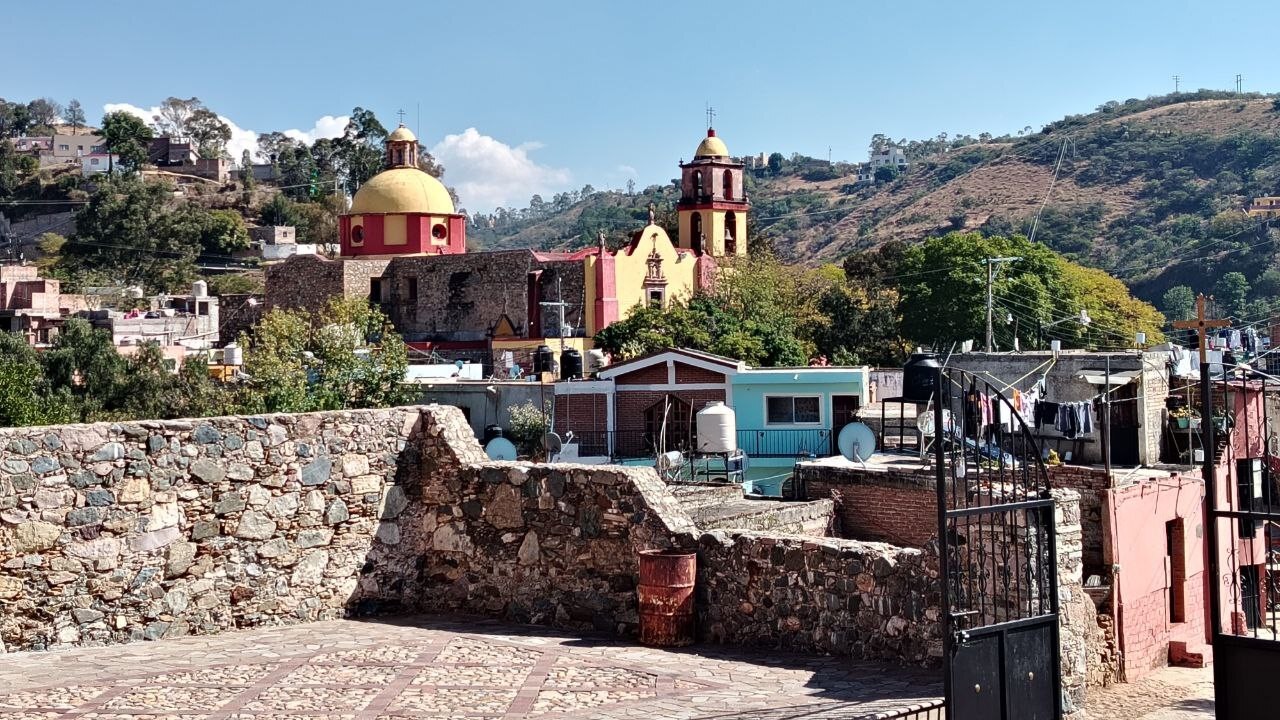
(866, 600)
(118, 532)
(899, 507)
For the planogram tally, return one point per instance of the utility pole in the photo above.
(991, 264)
(1239, 83)
(1176, 80)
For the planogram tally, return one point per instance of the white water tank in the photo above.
(199, 288)
(233, 354)
(717, 428)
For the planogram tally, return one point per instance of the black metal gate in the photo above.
(998, 556)
(1241, 464)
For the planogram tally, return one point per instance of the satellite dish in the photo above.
(500, 448)
(856, 441)
(551, 443)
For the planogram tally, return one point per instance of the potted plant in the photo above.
(1185, 417)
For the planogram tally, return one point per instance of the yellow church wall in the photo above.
(592, 292)
(394, 231)
(630, 270)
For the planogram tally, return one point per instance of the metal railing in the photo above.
(635, 444)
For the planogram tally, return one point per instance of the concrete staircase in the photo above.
(725, 507)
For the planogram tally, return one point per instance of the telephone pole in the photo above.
(1239, 83)
(992, 263)
(1176, 80)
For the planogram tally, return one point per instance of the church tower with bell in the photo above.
(712, 207)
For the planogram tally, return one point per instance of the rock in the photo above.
(103, 547)
(47, 498)
(336, 512)
(253, 450)
(388, 533)
(314, 501)
(86, 615)
(355, 465)
(108, 452)
(84, 516)
(164, 515)
(13, 466)
(153, 540)
(228, 503)
(51, 441)
(283, 506)
(273, 548)
(155, 630)
(177, 601)
(156, 443)
(61, 578)
(10, 587)
(366, 484)
(44, 464)
(506, 508)
(314, 538)
(530, 552)
(255, 526)
(317, 471)
(99, 497)
(208, 470)
(449, 538)
(204, 529)
(258, 496)
(310, 569)
(233, 442)
(240, 472)
(393, 503)
(206, 434)
(134, 489)
(179, 557)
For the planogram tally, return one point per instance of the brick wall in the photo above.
(1092, 484)
(691, 374)
(895, 507)
(652, 375)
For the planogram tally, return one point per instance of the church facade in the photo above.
(403, 247)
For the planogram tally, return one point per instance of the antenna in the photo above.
(711, 116)
(1177, 79)
(1239, 83)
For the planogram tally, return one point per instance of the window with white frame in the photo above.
(793, 409)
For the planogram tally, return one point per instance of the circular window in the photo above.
(439, 232)
(357, 235)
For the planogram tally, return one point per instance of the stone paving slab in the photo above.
(441, 668)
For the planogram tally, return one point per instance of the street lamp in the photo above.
(1082, 318)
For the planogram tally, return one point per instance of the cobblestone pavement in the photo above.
(433, 668)
(1166, 694)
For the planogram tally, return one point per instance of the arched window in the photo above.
(730, 227)
(728, 184)
(697, 184)
(695, 232)
(357, 235)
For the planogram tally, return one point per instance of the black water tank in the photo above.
(543, 359)
(920, 377)
(570, 364)
(491, 432)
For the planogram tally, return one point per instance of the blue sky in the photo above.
(524, 97)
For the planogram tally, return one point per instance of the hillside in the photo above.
(1149, 190)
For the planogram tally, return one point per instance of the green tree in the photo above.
(25, 398)
(83, 362)
(347, 356)
(886, 174)
(74, 115)
(235, 284)
(1232, 291)
(209, 132)
(174, 115)
(127, 137)
(50, 245)
(127, 231)
(45, 113)
(775, 163)
(1178, 303)
(15, 168)
(361, 147)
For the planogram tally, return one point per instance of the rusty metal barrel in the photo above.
(666, 597)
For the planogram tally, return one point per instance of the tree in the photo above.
(886, 174)
(75, 115)
(84, 363)
(879, 143)
(209, 133)
(44, 113)
(234, 284)
(1232, 291)
(174, 115)
(361, 147)
(279, 210)
(127, 231)
(347, 356)
(1178, 303)
(631, 186)
(270, 144)
(15, 168)
(15, 119)
(50, 245)
(247, 181)
(25, 398)
(775, 163)
(219, 232)
(126, 137)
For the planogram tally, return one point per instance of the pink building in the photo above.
(29, 304)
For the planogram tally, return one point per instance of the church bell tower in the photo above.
(713, 207)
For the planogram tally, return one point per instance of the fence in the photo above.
(761, 443)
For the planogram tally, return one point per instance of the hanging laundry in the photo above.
(1046, 413)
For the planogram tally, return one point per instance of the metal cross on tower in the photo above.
(1202, 326)
(711, 116)
(401, 114)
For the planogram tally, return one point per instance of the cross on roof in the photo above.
(1202, 326)
(401, 114)
(711, 116)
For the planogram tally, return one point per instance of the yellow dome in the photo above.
(711, 146)
(402, 134)
(402, 190)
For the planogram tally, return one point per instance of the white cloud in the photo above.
(627, 170)
(487, 172)
(329, 126)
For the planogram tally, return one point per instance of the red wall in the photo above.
(1135, 518)
(417, 236)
